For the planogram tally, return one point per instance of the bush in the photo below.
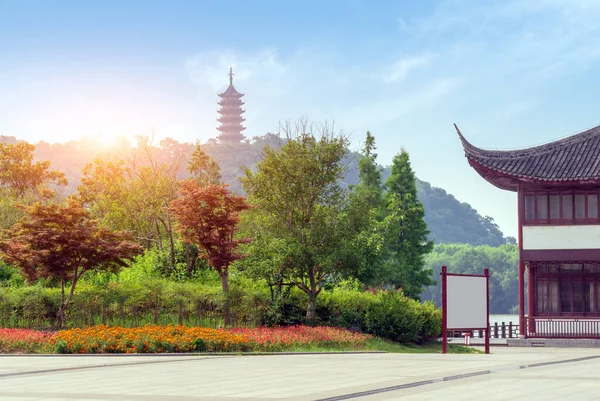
(395, 317)
(431, 318)
(345, 306)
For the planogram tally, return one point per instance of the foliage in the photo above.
(19, 172)
(204, 168)
(300, 211)
(502, 262)
(63, 243)
(407, 241)
(399, 318)
(207, 216)
(133, 191)
(448, 219)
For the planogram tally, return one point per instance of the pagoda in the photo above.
(558, 190)
(230, 114)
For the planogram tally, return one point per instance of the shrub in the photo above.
(395, 317)
(431, 318)
(345, 306)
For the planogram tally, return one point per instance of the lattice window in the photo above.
(570, 288)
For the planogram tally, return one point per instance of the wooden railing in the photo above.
(562, 327)
(497, 330)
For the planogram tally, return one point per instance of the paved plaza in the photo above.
(506, 374)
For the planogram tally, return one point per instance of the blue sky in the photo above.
(509, 73)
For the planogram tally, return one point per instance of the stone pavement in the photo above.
(508, 373)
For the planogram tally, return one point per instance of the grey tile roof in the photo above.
(575, 158)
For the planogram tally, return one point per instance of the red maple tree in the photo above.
(207, 216)
(62, 242)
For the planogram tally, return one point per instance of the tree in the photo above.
(19, 172)
(467, 259)
(407, 242)
(22, 181)
(63, 243)
(207, 216)
(135, 193)
(300, 205)
(204, 168)
(369, 174)
(366, 208)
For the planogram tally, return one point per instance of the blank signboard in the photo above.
(466, 302)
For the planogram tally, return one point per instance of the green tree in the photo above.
(299, 204)
(204, 168)
(135, 193)
(407, 242)
(369, 174)
(366, 208)
(502, 262)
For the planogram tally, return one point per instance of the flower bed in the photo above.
(282, 338)
(157, 339)
(23, 340)
(147, 339)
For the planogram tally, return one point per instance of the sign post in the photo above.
(465, 304)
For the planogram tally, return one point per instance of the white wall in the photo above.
(561, 237)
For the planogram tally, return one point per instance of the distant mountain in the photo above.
(449, 220)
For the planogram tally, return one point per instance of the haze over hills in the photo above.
(449, 220)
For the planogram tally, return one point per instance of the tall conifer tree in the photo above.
(407, 241)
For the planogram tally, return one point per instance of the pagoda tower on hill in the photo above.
(230, 114)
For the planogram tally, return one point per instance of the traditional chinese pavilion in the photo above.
(230, 114)
(557, 186)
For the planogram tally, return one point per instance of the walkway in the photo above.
(508, 373)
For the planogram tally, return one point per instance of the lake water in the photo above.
(504, 318)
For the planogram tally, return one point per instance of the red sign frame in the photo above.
(444, 273)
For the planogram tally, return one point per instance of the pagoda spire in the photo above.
(230, 114)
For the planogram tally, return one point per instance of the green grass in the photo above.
(378, 344)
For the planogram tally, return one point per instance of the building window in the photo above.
(567, 209)
(580, 206)
(562, 208)
(567, 289)
(554, 207)
(542, 207)
(592, 206)
(529, 207)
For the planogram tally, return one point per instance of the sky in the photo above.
(510, 74)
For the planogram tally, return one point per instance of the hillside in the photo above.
(448, 219)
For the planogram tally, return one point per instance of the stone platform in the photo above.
(554, 342)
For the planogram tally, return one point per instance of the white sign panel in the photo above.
(466, 300)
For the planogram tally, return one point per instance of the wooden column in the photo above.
(521, 272)
(531, 307)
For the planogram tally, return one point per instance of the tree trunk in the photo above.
(60, 317)
(311, 312)
(188, 260)
(172, 248)
(60, 313)
(226, 308)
